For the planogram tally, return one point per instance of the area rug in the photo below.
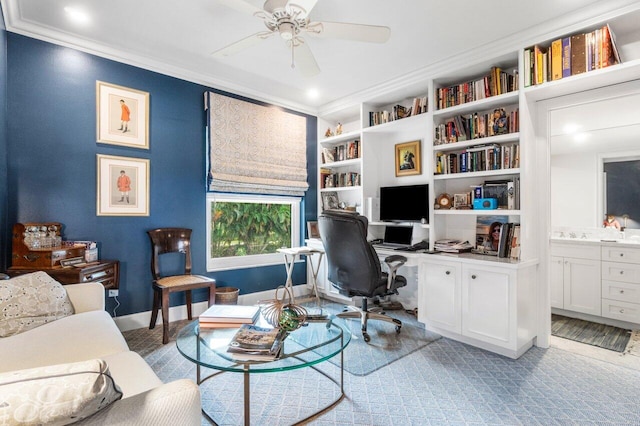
(601, 335)
(385, 347)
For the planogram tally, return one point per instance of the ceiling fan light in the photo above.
(287, 30)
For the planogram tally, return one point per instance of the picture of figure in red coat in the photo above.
(124, 186)
(125, 116)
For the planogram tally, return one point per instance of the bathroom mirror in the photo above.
(595, 158)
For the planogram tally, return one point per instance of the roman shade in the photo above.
(255, 148)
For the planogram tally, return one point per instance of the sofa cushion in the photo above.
(132, 373)
(57, 394)
(31, 300)
(75, 338)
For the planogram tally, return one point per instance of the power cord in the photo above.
(117, 305)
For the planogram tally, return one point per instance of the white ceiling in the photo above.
(178, 37)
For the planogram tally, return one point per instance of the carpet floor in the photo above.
(601, 335)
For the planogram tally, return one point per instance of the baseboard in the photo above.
(177, 313)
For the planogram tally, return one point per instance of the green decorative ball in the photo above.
(289, 319)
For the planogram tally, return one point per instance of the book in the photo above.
(215, 325)
(566, 57)
(578, 54)
(556, 59)
(253, 343)
(240, 314)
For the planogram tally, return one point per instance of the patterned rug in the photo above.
(386, 346)
(601, 335)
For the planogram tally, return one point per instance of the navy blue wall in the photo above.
(52, 168)
(4, 228)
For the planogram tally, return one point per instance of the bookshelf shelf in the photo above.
(343, 163)
(482, 104)
(341, 188)
(488, 173)
(458, 146)
(401, 124)
(344, 137)
(494, 212)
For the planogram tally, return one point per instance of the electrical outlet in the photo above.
(113, 293)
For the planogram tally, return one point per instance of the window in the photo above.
(246, 230)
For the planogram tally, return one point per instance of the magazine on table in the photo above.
(256, 343)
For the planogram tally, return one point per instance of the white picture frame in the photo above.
(122, 116)
(122, 186)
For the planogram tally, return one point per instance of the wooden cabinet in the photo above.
(480, 303)
(105, 272)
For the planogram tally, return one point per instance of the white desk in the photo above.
(291, 255)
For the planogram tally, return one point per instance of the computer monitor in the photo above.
(406, 203)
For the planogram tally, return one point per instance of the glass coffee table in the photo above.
(315, 342)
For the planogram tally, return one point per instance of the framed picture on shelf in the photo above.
(122, 116)
(123, 186)
(461, 201)
(408, 159)
(330, 200)
(312, 229)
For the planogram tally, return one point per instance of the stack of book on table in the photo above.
(228, 316)
(253, 343)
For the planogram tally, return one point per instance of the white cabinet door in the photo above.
(439, 296)
(487, 301)
(582, 290)
(557, 282)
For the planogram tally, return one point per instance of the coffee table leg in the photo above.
(247, 401)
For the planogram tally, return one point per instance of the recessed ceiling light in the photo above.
(313, 93)
(77, 15)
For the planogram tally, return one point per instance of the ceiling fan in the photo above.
(290, 19)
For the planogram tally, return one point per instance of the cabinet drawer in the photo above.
(621, 254)
(623, 311)
(623, 272)
(578, 251)
(624, 292)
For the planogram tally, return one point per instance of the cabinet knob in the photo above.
(566, 262)
(448, 273)
(621, 291)
(473, 277)
(621, 272)
(622, 311)
(621, 254)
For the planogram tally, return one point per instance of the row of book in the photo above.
(418, 106)
(342, 152)
(569, 56)
(497, 82)
(328, 179)
(477, 125)
(479, 158)
(509, 245)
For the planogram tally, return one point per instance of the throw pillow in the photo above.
(56, 394)
(31, 300)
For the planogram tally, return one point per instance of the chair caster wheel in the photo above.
(366, 337)
(398, 328)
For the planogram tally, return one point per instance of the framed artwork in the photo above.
(460, 201)
(330, 200)
(122, 115)
(122, 186)
(408, 159)
(312, 229)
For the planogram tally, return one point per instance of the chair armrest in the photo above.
(175, 403)
(86, 297)
(394, 262)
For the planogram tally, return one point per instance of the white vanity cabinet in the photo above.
(621, 283)
(481, 303)
(575, 277)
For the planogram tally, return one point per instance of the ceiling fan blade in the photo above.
(241, 44)
(304, 59)
(356, 32)
(241, 6)
(307, 5)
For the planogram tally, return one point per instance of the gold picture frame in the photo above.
(408, 159)
(122, 116)
(122, 186)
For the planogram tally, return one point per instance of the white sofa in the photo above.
(91, 333)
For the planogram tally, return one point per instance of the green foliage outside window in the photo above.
(242, 229)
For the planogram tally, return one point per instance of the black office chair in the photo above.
(354, 268)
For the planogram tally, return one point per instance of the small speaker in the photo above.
(485, 203)
(372, 209)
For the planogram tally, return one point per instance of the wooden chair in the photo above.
(174, 240)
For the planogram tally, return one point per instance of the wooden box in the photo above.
(41, 258)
